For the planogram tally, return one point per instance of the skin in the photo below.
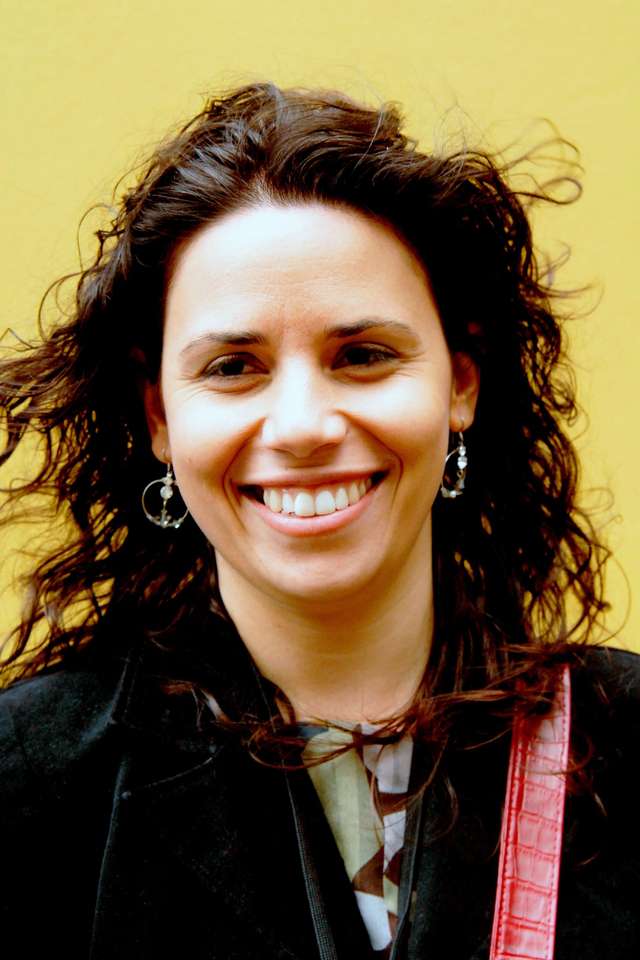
(341, 621)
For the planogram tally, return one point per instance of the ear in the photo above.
(465, 387)
(151, 397)
(156, 420)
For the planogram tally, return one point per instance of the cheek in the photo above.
(202, 439)
(412, 420)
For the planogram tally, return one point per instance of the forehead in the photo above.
(275, 261)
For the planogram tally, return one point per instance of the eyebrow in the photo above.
(360, 326)
(340, 332)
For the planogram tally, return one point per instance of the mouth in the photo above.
(302, 501)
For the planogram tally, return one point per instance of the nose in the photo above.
(302, 417)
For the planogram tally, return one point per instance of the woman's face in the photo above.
(304, 363)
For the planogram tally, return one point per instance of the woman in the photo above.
(306, 422)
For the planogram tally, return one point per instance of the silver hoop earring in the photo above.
(164, 518)
(458, 487)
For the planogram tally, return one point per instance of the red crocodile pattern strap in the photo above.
(524, 920)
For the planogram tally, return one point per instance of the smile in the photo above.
(305, 502)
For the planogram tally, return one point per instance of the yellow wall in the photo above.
(89, 87)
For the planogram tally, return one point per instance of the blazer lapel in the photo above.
(457, 871)
(200, 833)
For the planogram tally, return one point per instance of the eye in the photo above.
(363, 355)
(230, 366)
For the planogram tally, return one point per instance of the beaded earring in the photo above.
(458, 487)
(163, 519)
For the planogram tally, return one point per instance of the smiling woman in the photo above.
(304, 420)
(291, 711)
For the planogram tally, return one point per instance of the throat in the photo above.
(359, 658)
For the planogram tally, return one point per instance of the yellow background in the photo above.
(88, 88)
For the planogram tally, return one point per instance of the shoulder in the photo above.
(605, 736)
(597, 909)
(59, 759)
(53, 723)
(605, 712)
(605, 687)
(615, 666)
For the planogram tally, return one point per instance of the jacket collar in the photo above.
(193, 796)
(155, 695)
(226, 820)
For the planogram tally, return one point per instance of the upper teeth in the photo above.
(304, 502)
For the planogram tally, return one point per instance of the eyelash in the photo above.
(378, 354)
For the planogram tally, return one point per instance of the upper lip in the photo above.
(309, 478)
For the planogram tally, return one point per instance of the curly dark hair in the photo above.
(518, 569)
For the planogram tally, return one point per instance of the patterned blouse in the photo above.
(369, 834)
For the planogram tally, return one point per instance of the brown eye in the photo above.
(361, 355)
(230, 366)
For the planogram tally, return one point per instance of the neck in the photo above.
(357, 658)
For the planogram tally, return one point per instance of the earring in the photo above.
(458, 488)
(164, 518)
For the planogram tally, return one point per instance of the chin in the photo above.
(325, 593)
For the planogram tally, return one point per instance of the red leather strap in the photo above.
(524, 921)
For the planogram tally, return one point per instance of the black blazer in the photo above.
(127, 833)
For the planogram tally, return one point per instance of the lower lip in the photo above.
(312, 526)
